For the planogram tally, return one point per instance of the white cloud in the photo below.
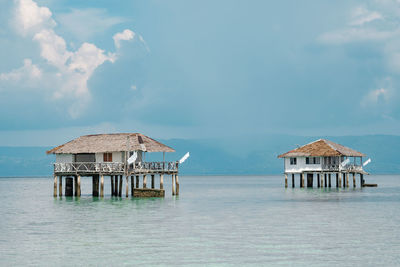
(68, 80)
(28, 72)
(361, 15)
(30, 17)
(125, 36)
(375, 96)
(133, 87)
(85, 23)
(349, 35)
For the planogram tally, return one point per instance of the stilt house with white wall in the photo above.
(323, 159)
(102, 155)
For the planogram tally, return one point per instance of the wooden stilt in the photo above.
(60, 193)
(144, 181)
(361, 180)
(177, 184)
(152, 181)
(132, 184)
(337, 180)
(75, 185)
(286, 183)
(79, 185)
(137, 181)
(292, 180)
(120, 186)
(115, 185)
(354, 180)
(112, 185)
(347, 179)
(322, 180)
(340, 179)
(127, 186)
(55, 186)
(344, 179)
(318, 181)
(329, 180)
(325, 182)
(310, 178)
(69, 186)
(173, 184)
(102, 186)
(95, 185)
(161, 181)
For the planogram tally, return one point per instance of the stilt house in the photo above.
(102, 155)
(323, 158)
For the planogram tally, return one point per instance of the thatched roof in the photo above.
(322, 148)
(101, 143)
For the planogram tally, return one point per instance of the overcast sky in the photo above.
(173, 69)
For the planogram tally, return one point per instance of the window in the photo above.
(313, 160)
(107, 157)
(293, 161)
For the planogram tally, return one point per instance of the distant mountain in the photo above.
(244, 155)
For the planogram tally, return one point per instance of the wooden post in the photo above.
(116, 185)
(292, 180)
(161, 181)
(337, 179)
(173, 184)
(286, 184)
(60, 187)
(79, 185)
(152, 181)
(318, 181)
(340, 179)
(347, 179)
(120, 186)
(69, 186)
(132, 184)
(329, 179)
(102, 186)
(177, 184)
(354, 180)
(322, 180)
(75, 185)
(112, 185)
(302, 180)
(55, 186)
(361, 180)
(127, 186)
(137, 181)
(310, 178)
(144, 181)
(325, 182)
(344, 179)
(95, 185)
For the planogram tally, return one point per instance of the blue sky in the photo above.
(192, 69)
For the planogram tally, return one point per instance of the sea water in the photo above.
(215, 221)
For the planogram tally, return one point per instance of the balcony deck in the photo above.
(115, 168)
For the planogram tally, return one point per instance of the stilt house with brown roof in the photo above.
(113, 155)
(324, 159)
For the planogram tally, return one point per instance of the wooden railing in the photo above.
(113, 167)
(336, 167)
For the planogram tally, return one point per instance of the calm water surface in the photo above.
(216, 220)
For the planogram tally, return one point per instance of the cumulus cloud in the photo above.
(72, 69)
(375, 96)
(28, 72)
(125, 36)
(29, 17)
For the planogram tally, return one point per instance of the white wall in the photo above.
(116, 157)
(302, 166)
(64, 158)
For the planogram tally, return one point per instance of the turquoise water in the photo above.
(216, 220)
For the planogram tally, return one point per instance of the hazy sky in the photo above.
(197, 68)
